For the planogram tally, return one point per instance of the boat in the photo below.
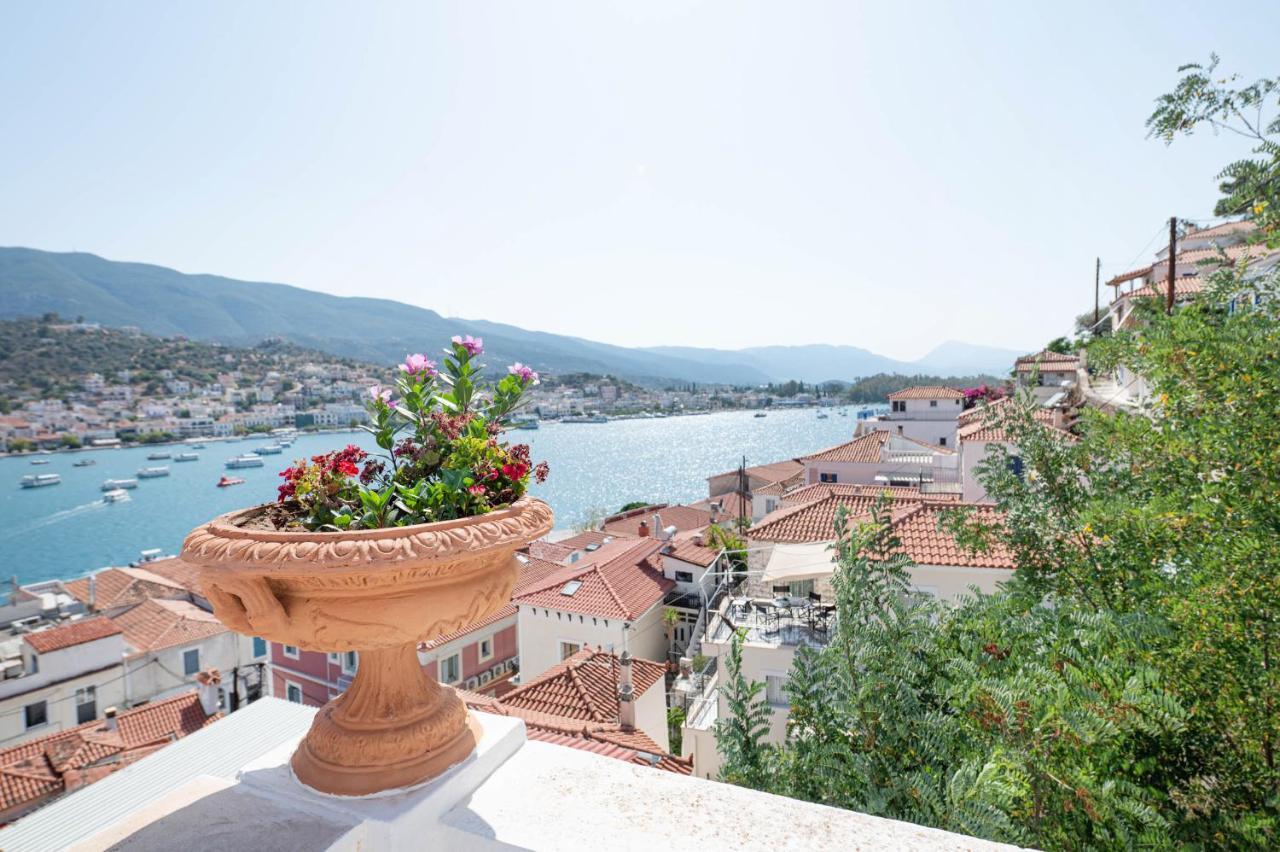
(152, 472)
(822, 415)
(197, 446)
(760, 414)
(39, 461)
(154, 554)
(157, 456)
(230, 480)
(113, 484)
(187, 457)
(115, 495)
(525, 424)
(84, 463)
(39, 480)
(247, 460)
(269, 450)
(587, 418)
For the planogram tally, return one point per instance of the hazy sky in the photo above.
(888, 175)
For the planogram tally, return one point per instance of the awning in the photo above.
(791, 562)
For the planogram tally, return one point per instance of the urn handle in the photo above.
(247, 605)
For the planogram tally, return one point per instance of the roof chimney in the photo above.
(208, 682)
(93, 591)
(626, 694)
(715, 511)
(109, 718)
(644, 528)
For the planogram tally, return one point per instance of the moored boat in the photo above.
(230, 480)
(152, 472)
(113, 484)
(269, 450)
(39, 480)
(245, 461)
(187, 457)
(115, 495)
(156, 456)
(84, 462)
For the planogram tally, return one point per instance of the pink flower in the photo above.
(525, 373)
(418, 364)
(473, 345)
(380, 394)
(477, 490)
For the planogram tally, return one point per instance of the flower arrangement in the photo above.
(440, 430)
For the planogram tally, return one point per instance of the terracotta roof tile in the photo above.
(681, 517)
(923, 539)
(687, 549)
(585, 686)
(814, 521)
(985, 425)
(552, 551)
(157, 624)
(34, 770)
(1045, 359)
(818, 490)
(770, 471)
(73, 633)
(927, 392)
(616, 581)
(1129, 276)
(116, 587)
(583, 539)
(868, 448)
(732, 505)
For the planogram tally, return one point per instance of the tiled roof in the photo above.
(585, 686)
(1046, 359)
(681, 517)
(583, 539)
(1223, 230)
(771, 471)
(923, 539)
(531, 572)
(603, 738)
(818, 490)
(1187, 285)
(815, 521)
(616, 581)
(176, 571)
(157, 624)
(687, 549)
(552, 551)
(35, 770)
(927, 392)
(867, 448)
(71, 634)
(985, 426)
(115, 587)
(732, 505)
(1129, 276)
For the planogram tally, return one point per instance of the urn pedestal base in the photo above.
(393, 728)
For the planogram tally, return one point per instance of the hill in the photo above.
(165, 302)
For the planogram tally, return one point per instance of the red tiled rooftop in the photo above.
(157, 624)
(687, 549)
(923, 538)
(984, 424)
(927, 392)
(770, 471)
(1045, 359)
(681, 517)
(616, 581)
(116, 587)
(815, 521)
(585, 686)
(33, 771)
(818, 490)
(71, 634)
(867, 448)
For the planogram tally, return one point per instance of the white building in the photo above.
(926, 413)
(883, 458)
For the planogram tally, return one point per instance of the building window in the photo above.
(1015, 466)
(770, 504)
(684, 576)
(86, 704)
(933, 403)
(35, 665)
(451, 669)
(291, 651)
(568, 649)
(259, 646)
(293, 692)
(350, 660)
(486, 648)
(831, 477)
(37, 714)
(800, 588)
(942, 442)
(191, 661)
(774, 692)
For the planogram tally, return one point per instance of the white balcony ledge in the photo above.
(512, 794)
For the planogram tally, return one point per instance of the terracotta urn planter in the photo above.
(379, 592)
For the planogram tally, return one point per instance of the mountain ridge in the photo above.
(202, 306)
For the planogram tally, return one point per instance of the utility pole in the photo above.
(1097, 280)
(1173, 245)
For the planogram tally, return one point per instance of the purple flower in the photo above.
(380, 394)
(525, 373)
(418, 364)
(473, 345)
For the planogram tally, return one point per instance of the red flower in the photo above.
(540, 472)
(347, 468)
(515, 471)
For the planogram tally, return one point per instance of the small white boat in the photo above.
(116, 495)
(187, 457)
(39, 461)
(39, 480)
(152, 472)
(822, 415)
(84, 463)
(269, 450)
(245, 461)
(525, 424)
(761, 414)
(197, 446)
(153, 555)
(163, 454)
(113, 484)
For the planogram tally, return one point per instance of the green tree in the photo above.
(745, 756)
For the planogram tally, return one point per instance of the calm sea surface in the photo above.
(65, 530)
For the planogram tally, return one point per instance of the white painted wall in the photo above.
(542, 630)
(161, 673)
(651, 713)
(60, 703)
